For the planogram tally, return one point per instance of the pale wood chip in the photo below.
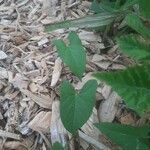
(108, 108)
(42, 100)
(34, 10)
(6, 134)
(33, 87)
(89, 129)
(89, 36)
(19, 81)
(103, 64)
(43, 41)
(97, 58)
(92, 141)
(3, 73)
(15, 145)
(3, 55)
(56, 72)
(41, 122)
(11, 96)
(117, 66)
(106, 91)
(57, 130)
(49, 7)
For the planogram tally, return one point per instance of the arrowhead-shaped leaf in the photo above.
(127, 137)
(132, 84)
(57, 146)
(73, 55)
(134, 47)
(76, 108)
(135, 23)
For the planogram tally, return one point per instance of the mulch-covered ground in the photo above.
(31, 72)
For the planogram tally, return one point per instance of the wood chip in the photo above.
(49, 7)
(6, 134)
(41, 122)
(89, 129)
(97, 57)
(15, 145)
(42, 100)
(3, 55)
(108, 108)
(33, 87)
(89, 36)
(56, 72)
(103, 64)
(19, 81)
(43, 41)
(3, 73)
(128, 119)
(57, 130)
(92, 141)
(106, 91)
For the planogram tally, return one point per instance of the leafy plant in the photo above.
(134, 46)
(112, 6)
(106, 13)
(73, 55)
(128, 137)
(91, 21)
(132, 84)
(136, 24)
(76, 108)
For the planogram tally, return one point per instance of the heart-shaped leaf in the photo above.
(76, 108)
(73, 55)
(128, 137)
(132, 84)
(57, 146)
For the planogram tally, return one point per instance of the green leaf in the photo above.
(135, 23)
(76, 108)
(145, 8)
(108, 6)
(57, 146)
(134, 47)
(103, 6)
(91, 21)
(132, 84)
(127, 137)
(73, 55)
(95, 7)
(129, 3)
